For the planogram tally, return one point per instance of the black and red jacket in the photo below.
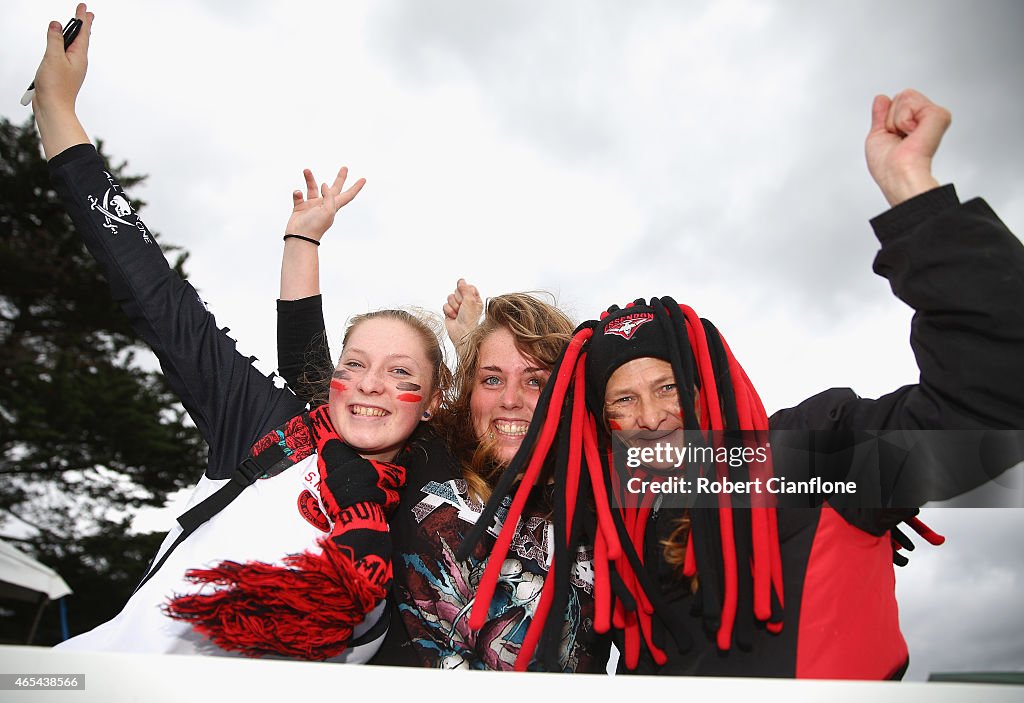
(962, 272)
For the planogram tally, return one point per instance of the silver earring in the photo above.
(426, 415)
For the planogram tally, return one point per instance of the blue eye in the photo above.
(491, 381)
(402, 372)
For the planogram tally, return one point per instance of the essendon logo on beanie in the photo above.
(627, 325)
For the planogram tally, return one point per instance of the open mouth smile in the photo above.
(367, 411)
(515, 429)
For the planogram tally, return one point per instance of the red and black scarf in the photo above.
(307, 606)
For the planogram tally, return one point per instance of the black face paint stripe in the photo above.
(406, 386)
(342, 374)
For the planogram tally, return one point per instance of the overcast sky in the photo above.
(598, 150)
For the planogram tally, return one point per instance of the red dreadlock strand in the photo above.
(762, 566)
(644, 608)
(619, 615)
(540, 614)
(775, 553)
(706, 372)
(645, 620)
(731, 595)
(604, 513)
(536, 629)
(489, 579)
(930, 535)
(638, 533)
(579, 410)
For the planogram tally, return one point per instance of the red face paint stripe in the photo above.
(338, 385)
(410, 397)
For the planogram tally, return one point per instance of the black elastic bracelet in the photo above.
(305, 239)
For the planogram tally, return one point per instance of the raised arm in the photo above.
(303, 354)
(958, 267)
(962, 271)
(231, 402)
(312, 215)
(58, 82)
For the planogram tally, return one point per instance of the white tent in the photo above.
(24, 578)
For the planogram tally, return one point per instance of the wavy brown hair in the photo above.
(541, 331)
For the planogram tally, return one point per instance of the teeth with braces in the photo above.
(368, 412)
(517, 429)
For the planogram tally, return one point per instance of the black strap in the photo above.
(244, 475)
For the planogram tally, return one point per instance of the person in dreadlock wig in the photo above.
(636, 371)
(776, 585)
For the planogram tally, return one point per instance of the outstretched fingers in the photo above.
(347, 196)
(312, 192)
(339, 180)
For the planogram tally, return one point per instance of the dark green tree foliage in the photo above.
(87, 436)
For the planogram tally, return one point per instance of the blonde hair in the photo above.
(540, 332)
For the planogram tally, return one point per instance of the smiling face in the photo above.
(641, 400)
(381, 387)
(506, 387)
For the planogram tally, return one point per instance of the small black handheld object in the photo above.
(71, 30)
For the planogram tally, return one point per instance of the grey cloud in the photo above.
(958, 602)
(790, 94)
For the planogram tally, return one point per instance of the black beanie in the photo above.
(622, 336)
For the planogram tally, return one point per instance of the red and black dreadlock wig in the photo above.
(734, 553)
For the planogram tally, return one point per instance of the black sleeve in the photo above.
(231, 402)
(962, 271)
(303, 352)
